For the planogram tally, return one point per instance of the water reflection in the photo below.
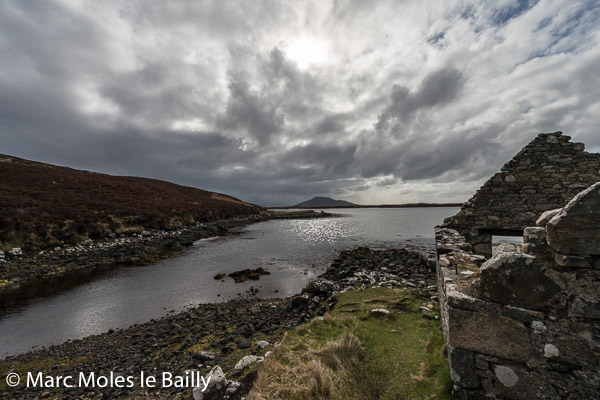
(292, 250)
(322, 230)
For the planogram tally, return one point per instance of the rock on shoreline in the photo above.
(222, 334)
(244, 275)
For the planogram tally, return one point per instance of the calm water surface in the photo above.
(292, 250)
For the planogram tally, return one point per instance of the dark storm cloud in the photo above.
(326, 161)
(331, 123)
(248, 113)
(437, 88)
(396, 147)
(211, 94)
(281, 91)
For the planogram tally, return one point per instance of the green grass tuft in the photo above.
(352, 353)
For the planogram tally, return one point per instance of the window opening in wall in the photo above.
(497, 240)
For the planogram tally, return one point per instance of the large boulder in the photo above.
(320, 286)
(576, 229)
(517, 280)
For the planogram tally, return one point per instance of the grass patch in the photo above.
(354, 354)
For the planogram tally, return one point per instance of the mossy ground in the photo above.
(353, 353)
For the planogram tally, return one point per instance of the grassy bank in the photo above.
(44, 205)
(353, 353)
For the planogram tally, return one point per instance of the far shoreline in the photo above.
(407, 205)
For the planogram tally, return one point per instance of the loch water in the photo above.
(293, 251)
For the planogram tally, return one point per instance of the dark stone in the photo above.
(319, 286)
(462, 364)
(299, 301)
(558, 366)
(488, 334)
(227, 339)
(248, 274)
(591, 309)
(517, 280)
(571, 261)
(513, 381)
(244, 343)
(458, 393)
(249, 330)
(576, 229)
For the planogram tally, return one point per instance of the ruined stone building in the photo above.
(543, 176)
(525, 323)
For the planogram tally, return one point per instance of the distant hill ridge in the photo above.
(42, 204)
(320, 201)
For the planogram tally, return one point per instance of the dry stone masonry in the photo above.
(525, 323)
(543, 176)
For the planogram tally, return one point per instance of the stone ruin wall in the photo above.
(544, 175)
(525, 324)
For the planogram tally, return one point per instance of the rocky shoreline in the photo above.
(212, 338)
(26, 275)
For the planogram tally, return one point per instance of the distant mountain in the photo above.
(325, 202)
(43, 204)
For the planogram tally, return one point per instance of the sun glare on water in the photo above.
(307, 51)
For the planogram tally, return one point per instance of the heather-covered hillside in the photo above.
(43, 204)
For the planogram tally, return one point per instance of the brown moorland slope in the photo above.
(43, 204)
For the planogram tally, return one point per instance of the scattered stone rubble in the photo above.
(525, 324)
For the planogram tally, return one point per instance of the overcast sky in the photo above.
(275, 102)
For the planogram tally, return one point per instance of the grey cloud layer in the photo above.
(414, 102)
